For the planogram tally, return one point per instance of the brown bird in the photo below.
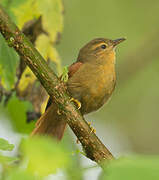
(92, 79)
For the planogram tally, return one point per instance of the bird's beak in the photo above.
(118, 41)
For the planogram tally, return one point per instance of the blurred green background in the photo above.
(133, 109)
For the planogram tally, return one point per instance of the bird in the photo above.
(91, 82)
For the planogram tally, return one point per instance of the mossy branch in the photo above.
(92, 146)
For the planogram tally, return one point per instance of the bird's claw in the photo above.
(77, 141)
(76, 102)
(92, 129)
(58, 112)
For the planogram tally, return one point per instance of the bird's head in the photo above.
(99, 49)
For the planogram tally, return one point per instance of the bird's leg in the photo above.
(76, 102)
(78, 107)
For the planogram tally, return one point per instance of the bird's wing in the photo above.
(73, 68)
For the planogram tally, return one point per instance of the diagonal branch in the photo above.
(93, 147)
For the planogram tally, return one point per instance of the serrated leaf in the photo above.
(17, 111)
(52, 19)
(138, 167)
(8, 64)
(45, 156)
(5, 145)
(25, 11)
(45, 47)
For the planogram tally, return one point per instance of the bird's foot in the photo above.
(92, 129)
(76, 102)
(58, 112)
(77, 141)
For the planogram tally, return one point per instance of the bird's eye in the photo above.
(103, 46)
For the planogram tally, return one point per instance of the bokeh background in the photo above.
(128, 124)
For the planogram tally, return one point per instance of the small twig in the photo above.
(92, 146)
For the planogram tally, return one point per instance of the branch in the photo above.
(92, 146)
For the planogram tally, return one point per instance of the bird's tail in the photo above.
(50, 123)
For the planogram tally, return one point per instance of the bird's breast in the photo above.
(101, 89)
(92, 86)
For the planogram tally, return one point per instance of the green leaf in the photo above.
(8, 64)
(7, 159)
(27, 80)
(139, 167)
(44, 155)
(17, 110)
(25, 11)
(74, 170)
(5, 146)
(50, 10)
(8, 5)
(45, 47)
(4, 3)
(11, 3)
(17, 174)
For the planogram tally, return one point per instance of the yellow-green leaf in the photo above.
(8, 64)
(52, 19)
(17, 110)
(44, 155)
(20, 174)
(5, 146)
(45, 47)
(26, 11)
(26, 80)
(7, 159)
(132, 168)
